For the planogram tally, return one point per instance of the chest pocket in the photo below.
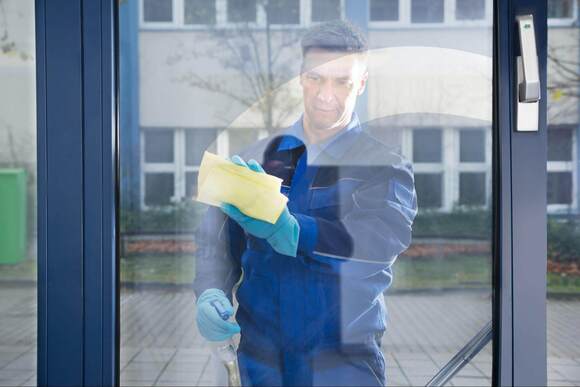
(334, 200)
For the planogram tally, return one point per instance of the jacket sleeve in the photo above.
(220, 244)
(369, 236)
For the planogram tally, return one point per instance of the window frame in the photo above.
(308, 15)
(451, 166)
(159, 25)
(178, 22)
(449, 19)
(565, 22)
(566, 166)
(181, 17)
(179, 166)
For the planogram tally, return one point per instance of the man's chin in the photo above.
(322, 125)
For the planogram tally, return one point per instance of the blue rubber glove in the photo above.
(211, 325)
(282, 236)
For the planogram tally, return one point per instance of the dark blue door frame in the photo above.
(78, 199)
(520, 216)
(528, 154)
(77, 150)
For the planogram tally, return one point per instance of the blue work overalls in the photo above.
(318, 318)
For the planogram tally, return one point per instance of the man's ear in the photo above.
(363, 82)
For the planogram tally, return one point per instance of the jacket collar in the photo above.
(336, 146)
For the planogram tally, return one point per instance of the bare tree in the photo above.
(7, 43)
(250, 52)
(565, 76)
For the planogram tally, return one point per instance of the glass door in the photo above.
(289, 192)
(376, 117)
(18, 198)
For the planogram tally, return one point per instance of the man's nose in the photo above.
(326, 92)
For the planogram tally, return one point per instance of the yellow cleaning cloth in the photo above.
(255, 194)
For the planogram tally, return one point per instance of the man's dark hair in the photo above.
(336, 35)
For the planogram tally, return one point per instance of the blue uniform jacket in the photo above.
(355, 206)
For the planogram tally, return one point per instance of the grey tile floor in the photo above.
(160, 345)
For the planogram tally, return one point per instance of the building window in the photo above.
(159, 188)
(159, 146)
(196, 142)
(560, 9)
(427, 146)
(384, 10)
(199, 12)
(560, 188)
(472, 188)
(560, 144)
(471, 146)
(427, 11)
(429, 187)
(470, 10)
(242, 11)
(158, 11)
(323, 10)
(283, 11)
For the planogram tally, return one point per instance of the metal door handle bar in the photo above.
(464, 356)
(529, 85)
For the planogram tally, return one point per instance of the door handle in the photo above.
(528, 92)
(529, 85)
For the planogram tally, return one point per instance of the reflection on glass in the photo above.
(17, 194)
(377, 270)
(427, 11)
(384, 10)
(200, 11)
(157, 10)
(470, 9)
(563, 298)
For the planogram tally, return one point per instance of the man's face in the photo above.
(331, 83)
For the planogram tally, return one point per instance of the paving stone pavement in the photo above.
(160, 345)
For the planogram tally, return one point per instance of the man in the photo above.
(311, 308)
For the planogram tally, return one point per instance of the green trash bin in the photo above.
(12, 215)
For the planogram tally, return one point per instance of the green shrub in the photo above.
(564, 240)
(462, 223)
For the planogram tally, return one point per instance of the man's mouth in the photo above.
(324, 110)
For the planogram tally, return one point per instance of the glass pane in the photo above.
(18, 201)
(560, 142)
(323, 10)
(472, 146)
(427, 11)
(159, 146)
(560, 188)
(379, 269)
(560, 9)
(384, 10)
(283, 11)
(427, 145)
(196, 142)
(241, 11)
(429, 188)
(240, 139)
(158, 10)
(158, 189)
(472, 188)
(563, 228)
(470, 9)
(200, 12)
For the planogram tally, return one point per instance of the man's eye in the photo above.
(344, 82)
(313, 77)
